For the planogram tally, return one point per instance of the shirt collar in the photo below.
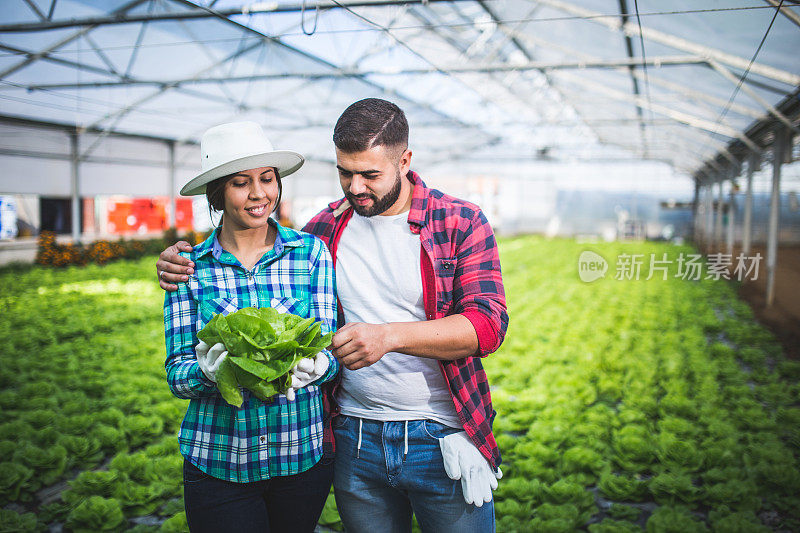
(419, 201)
(417, 214)
(286, 238)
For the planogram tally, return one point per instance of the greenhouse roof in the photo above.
(691, 84)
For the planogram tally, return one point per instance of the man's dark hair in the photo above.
(368, 123)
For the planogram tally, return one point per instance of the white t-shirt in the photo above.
(379, 280)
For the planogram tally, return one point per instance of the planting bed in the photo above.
(655, 405)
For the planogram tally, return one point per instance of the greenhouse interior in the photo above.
(638, 165)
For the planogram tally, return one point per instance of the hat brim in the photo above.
(286, 161)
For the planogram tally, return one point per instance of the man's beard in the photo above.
(379, 205)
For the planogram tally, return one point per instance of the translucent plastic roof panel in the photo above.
(519, 79)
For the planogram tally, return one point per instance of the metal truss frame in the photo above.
(693, 126)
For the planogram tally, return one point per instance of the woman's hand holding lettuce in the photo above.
(210, 358)
(263, 346)
(306, 372)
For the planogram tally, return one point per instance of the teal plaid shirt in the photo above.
(260, 440)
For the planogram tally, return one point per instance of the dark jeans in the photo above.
(290, 504)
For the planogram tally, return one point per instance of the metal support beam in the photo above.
(679, 116)
(122, 81)
(695, 210)
(418, 102)
(36, 9)
(51, 10)
(509, 33)
(623, 8)
(213, 58)
(171, 184)
(350, 73)
(121, 113)
(699, 96)
(731, 215)
(677, 43)
(74, 187)
(136, 47)
(62, 42)
(512, 35)
(778, 154)
(747, 232)
(707, 241)
(713, 164)
(247, 9)
(50, 59)
(718, 222)
(752, 94)
(684, 91)
(378, 47)
(697, 139)
(497, 93)
(101, 54)
(785, 11)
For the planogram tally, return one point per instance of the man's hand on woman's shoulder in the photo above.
(172, 268)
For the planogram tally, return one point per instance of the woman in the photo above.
(258, 467)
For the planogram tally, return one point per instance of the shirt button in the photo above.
(263, 439)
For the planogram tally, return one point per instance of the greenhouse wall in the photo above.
(552, 198)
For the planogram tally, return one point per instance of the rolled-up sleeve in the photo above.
(478, 292)
(184, 376)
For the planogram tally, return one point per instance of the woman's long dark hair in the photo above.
(215, 194)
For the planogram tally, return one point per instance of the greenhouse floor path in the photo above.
(783, 318)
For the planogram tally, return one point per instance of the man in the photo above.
(420, 290)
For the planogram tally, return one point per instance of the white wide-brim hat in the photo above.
(235, 147)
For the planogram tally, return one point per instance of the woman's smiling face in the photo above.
(250, 197)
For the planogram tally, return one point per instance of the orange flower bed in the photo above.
(51, 253)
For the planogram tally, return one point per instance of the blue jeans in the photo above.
(378, 485)
(287, 504)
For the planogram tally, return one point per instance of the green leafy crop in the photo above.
(100, 482)
(49, 463)
(629, 400)
(674, 520)
(12, 477)
(10, 521)
(176, 524)
(95, 514)
(622, 487)
(263, 345)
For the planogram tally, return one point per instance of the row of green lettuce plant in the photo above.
(87, 423)
(655, 405)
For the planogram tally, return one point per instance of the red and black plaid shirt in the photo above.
(460, 275)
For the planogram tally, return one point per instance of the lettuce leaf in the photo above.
(12, 478)
(227, 383)
(96, 514)
(12, 521)
(263, 346)
(676, 518)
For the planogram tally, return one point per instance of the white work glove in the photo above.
(307, 371)
(463, 461)
(209, 358)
